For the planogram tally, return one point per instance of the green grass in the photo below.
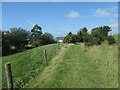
(27, 65)
(81, 67)
(75, 66)
(1, 73)
(117, 37)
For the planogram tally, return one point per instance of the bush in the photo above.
(36, 43)
(96, 41)
(88, 44)
(47, 38)
(111, 40)
(70, 38)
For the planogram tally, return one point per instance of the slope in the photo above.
(28, 64)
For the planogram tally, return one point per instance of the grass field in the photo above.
(28, 64)
(75, 66)
(0, 72)
(95, 67)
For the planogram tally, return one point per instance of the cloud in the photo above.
(73, 14)
(106, 12)
(102, 13)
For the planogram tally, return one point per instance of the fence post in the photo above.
(45, 58)
(9, 76)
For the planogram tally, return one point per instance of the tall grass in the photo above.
(0, 72)
(83, 67)
(106, 58)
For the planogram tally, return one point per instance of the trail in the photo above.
(45, 77)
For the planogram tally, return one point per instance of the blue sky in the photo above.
(58, 18)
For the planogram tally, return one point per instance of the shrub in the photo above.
(96, 41)
(111, 40)
(70, 38)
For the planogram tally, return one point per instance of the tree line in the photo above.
(96, 37)
(19, 39)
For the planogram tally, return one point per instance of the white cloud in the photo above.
(102, 13)
(73, 14)
(106, 12)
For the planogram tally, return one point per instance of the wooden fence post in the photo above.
(9, 76)
(45, 58)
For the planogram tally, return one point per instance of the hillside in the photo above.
(28, 64)
(75, 66)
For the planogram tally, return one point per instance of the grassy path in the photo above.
(78, 67)
(45, 77)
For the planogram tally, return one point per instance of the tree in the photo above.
(36, 31)
(0, 43)
(70, 38)
(83, 35)
(96, 37)
(101, 32)
(79, 36)
(5, 43)
(0, 38)
(47, 38)
(18, 37)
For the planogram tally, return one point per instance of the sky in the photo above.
(60, 0)
(59, 18)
